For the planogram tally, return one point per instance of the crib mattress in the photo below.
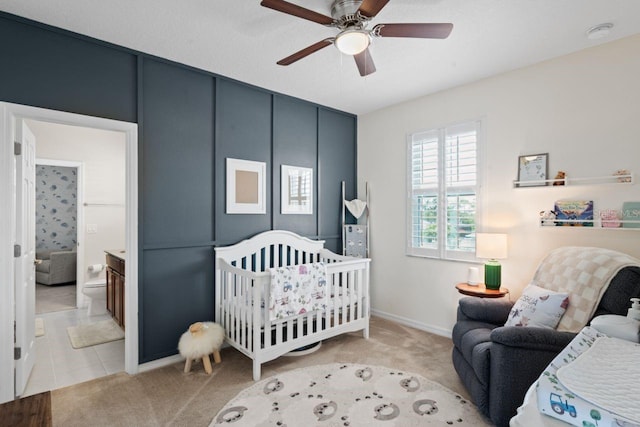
(565, 401)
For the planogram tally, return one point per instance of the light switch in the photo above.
(92, 228)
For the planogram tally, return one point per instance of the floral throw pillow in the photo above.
(538, 307)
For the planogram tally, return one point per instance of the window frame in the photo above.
(441, 251)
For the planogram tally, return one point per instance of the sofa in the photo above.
(497, 363)
(54, 267)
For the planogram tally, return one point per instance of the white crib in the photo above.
(243, 286)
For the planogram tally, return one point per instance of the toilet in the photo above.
(96, 290)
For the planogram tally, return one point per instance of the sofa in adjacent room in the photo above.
(55, 266)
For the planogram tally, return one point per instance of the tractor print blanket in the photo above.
(297, 289)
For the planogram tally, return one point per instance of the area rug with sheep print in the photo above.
(342, 394)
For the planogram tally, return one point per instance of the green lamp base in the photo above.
(492, 273)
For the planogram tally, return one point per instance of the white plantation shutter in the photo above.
(424, 156)
(443, 191)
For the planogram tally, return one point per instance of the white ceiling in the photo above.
(243, 40)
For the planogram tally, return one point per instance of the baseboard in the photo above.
(169, 360)
(159, 363)
(414, 324)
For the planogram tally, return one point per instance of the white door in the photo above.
(24, 264)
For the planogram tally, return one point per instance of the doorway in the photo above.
(59, 226)
(10, 115)
(76, 220)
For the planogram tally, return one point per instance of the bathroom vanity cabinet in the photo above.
(115, 285)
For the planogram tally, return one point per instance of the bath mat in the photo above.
(94, 333)
(39, 326)
(348, 395)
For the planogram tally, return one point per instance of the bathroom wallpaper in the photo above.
(56, 189)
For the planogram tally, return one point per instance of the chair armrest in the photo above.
(542, 339)
(494, 311)
(518, 356)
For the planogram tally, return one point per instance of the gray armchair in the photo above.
(497, 363)
(55, 267)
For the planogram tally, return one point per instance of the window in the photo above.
(443, 187)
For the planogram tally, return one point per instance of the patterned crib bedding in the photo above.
(333, 302)
(337, 300)
(297, 289)
(593, 382)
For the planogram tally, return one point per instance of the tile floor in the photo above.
(59, 365)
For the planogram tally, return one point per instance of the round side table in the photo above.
(481, 291)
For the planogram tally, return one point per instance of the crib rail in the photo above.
(270, 249)
(241, 309)
(243, 290)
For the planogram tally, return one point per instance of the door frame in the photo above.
(8, 113)
(79, 167)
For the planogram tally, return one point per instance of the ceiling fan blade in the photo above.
(425, 31)
(305, 52)
(365, 63)
(371, 8)
(299, 11)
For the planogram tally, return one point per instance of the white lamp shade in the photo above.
(491, 245)
(352, 42)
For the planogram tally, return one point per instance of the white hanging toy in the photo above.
(634, 311)
(202, 339)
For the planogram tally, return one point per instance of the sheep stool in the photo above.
(202, 339)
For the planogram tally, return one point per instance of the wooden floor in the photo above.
(27, 412)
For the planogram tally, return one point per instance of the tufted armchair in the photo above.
(497, 363)
(54, 267)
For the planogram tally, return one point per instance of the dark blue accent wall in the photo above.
(55, 70)
(295, 143)
(336, 163)
(243, 131)
(189, 122)
(177, 155)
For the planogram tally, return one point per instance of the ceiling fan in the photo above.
(351, 18)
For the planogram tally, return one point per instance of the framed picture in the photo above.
(533, 170)
(246, 187)
(296, 190)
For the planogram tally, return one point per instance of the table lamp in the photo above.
(491, 246)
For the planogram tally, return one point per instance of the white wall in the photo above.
(102, 154)
(583, 109)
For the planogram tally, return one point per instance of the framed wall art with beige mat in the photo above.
(348, 395)
(94, 333)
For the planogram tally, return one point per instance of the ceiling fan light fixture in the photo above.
(352, 42)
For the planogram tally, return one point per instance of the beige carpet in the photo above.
(94, 333)
(169, 397)
(55, 298)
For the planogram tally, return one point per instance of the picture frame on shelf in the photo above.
(246, 187)
(533, 170)
(296, 190)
